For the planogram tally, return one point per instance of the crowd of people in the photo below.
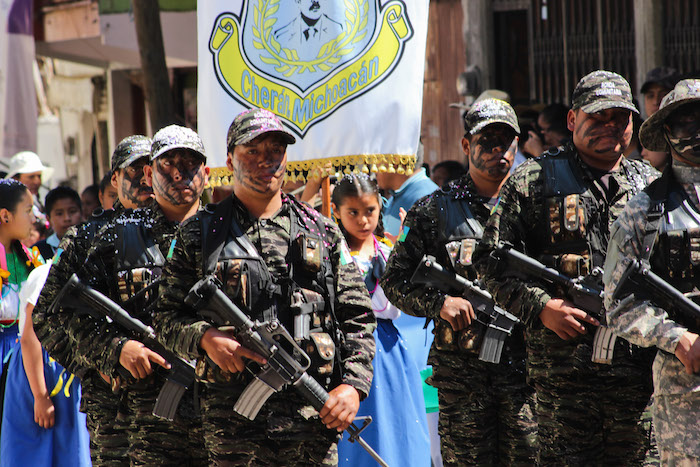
(526, 372)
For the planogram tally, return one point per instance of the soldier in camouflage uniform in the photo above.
(268, 249)
(125, 262)
(660, 227)
(559, 209)
(107, 421)
(486, 409)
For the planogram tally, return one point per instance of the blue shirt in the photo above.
(412, 190)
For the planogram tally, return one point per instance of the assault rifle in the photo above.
(639, 282)
(181, 374)
(499, 323)
(281, 370)
(583, 292)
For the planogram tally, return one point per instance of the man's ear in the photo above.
(571, 120)
(148, 175)
(114, 181)
(229, 161)
(466, 146)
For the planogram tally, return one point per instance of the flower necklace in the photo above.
(7, 288)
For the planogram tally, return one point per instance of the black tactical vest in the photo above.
(98, 219)
(460, 232)
(303, 302)
(139, 265)
(675, 256)
(569, 208)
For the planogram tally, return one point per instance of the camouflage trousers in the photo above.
(107, 422)
(677, 422)
(486, 411)
(591, 422)
(156, 441)
(283, 433)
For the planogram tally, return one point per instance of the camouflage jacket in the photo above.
(51, 327)
(424, 234)
(521, 218)
(639, 321)
(96, 343)
(520, 214)
(181, 328)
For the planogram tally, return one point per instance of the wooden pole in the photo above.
(326, 196)
(155, 72)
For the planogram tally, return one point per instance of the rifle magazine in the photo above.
(603, 345)
(492, 346)
(168, 400)
(253, 398)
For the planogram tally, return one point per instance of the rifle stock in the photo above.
(179, 377)
(498, 322)
(281, 369)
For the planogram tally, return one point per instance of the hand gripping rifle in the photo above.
(639, 282)
(280, 371)
(499, 323)
(181, 374)
(580, 291)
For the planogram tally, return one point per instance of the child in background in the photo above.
(90, 198)
(16, 220)
(41, 421)
(108, 193)
(63, 210)
(399, 431)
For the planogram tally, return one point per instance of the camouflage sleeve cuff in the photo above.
(362, 387)
(673, 336)
(438, 303)
(187, 344)
(114, 350)
(537, 303)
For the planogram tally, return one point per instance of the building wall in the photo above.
(441, 127)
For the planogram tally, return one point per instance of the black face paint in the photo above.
(178, 178)
(133, 186)
(592, 128)
(484, 154)
(259, 165)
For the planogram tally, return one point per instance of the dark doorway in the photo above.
(511, 55)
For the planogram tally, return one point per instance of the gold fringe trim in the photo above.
(299, 171)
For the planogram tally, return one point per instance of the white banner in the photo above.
(345, 76)
(18, 109)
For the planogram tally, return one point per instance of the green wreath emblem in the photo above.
(286, 61)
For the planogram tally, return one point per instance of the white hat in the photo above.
(28, 162)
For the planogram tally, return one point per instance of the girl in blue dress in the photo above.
(41, 422)
(16, 221)
(399, 431)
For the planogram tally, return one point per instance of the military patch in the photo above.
(171, 250)
(345, 256)
(493, 209)
(57, 256)
(403, 234)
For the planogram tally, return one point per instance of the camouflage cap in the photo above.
(176, 137)
(600, 90)
(252, 123)
(129, 150)
(651, 134)
(663, 75)
(488, 111)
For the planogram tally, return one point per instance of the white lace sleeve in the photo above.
(382, 307)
